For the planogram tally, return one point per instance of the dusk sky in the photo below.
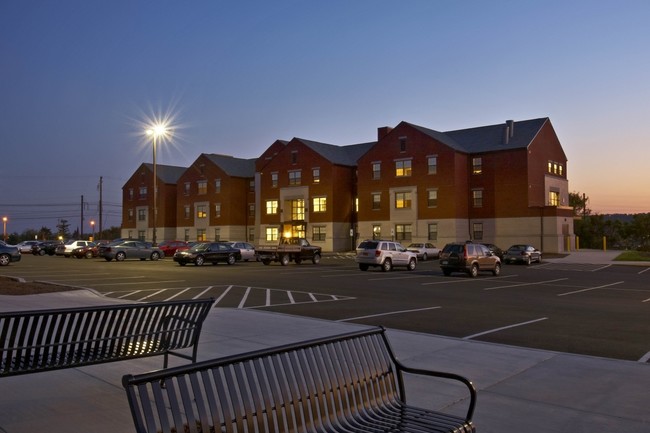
(79, 79)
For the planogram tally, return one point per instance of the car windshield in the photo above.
(199, 247)
(454, 248)
(517, 248)
(416, 245)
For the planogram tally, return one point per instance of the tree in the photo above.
(45, 233)
(63, 229)
(578, 201)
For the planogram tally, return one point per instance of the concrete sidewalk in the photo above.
(518, 389)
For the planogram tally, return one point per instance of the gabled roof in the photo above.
(339, 155)
(167, 173)
(488, 138)
(235, 167)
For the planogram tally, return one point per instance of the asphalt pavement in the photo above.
(519, 389)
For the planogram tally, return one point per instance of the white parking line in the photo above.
(642, 271)
(590, 288)
(645, 358)
(526, 284)
(138, 282)
(469, 337)
(466, 280)
(244, 298)
(225, 292)
(387, 314)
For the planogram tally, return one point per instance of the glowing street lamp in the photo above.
(92, 226)
(4, 228)
(157, 131)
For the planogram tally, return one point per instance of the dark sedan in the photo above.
(8, 254)
(213, 252)
(522, 254)
(45, 247)
(121, 251)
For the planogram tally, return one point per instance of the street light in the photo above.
(159, 130)
(4, 228)
(92, 225)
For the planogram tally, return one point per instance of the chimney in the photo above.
(506, 135)
(511, 127)
(383, 131)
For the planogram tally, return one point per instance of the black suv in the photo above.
(468, 257)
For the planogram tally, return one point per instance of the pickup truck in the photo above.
(289, 249)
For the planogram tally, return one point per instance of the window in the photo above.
(130, 193)
(318, 233)
(271, 207)
(555, 168)
(477, 165)
(251, 235)
(553, 198)
(376, 200)
(376, 170)
(433, 232)
(403, 168)
(432, 164)
(201, 211)
(143, 192)
(294, 177)
(200, 235)
(271, 234)
(217, 234)
(298, 209)
(402, 200)
(142, 214)
(294, 156)
(315, 174)
(402, 144)
(376, 231)
(186, 235)
(403, 232)
(186, 211)
(202, 186)
(251, 209)
(129, 214)
(319, 204)
(432, 198)
(251, 185)
(217, 186)
(477, 198)
(141, 235)
(186, 191)
(477, 231)
(217, 210)
(274, 180)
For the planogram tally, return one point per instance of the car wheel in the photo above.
(120, 256)
(387, 266)
(412, 264)
(41, 252)
(424, 257)
(446, 272)
(316, 259)
(363, 266)
(89, 254)
(266, 262)
(5, 259)
(198, 261)
(473, 271)
(527, 260)
(155, 256)
(231, 259)
(539, 259)
(284, 260)
(497, 269)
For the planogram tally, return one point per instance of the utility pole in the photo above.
(81, 230)
(101, 181)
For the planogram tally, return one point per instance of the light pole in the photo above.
(156, 131)
(4, 228)
(92, 226)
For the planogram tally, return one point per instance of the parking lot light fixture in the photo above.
(4, 228)
(157, 131)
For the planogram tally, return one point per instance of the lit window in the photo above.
(200, 235)
(202, 186)
(432, 198)
(432, 164)
(433, 232)
(298, 209)
(271, 207)
(477, 165)
(294, 178)
(376, 170)
(376, 200)
(376, 231)
(315, 174)
(403, 232)
(201, 211)
(217, 186)
(318, 233)
(477, 197)
(403, 168)
(271, 234)
(553, 198)
(319, 204)
(402, 200)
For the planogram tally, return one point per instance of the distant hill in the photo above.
(623, 217)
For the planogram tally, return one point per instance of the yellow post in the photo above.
(604, 243)
(577, 243)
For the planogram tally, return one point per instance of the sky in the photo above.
(80, 80)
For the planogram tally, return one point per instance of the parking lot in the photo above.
(597, 310)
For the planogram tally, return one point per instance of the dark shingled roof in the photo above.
(236, 167)
(487, 138)
(167, 173)
(340, 155)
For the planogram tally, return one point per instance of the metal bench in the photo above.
(41, 340)
(347, 383)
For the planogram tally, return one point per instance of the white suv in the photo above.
(386, 254)
(66, 249)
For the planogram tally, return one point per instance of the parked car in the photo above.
(67, 248)
(25, 247)
(89, 251)
(424, 251)
(468, 257)
(170, 247)
(130, 249)
(385, 254)
(45, 247)
(522, 254)
(213, 252)
(289, 249)
(495, 250)
(8, 254)
(246, 249)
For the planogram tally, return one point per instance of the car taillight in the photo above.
(377, 253)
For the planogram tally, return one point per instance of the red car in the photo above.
(170, 247)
